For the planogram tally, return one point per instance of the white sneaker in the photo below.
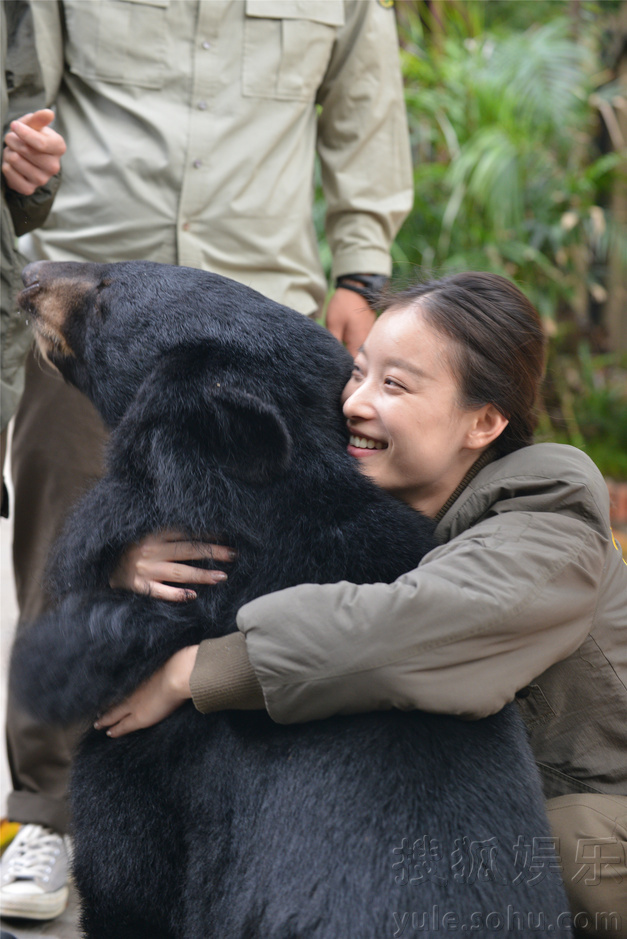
(33, 883)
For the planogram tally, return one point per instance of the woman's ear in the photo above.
(488, 424)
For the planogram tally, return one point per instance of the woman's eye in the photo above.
(392, 383)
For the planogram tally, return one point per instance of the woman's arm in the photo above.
(478, 620)
(217, 675)
(481, 617)
(224, 677)
(155, 700)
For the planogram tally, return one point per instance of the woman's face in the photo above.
(408, 431)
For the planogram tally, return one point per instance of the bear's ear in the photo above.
(182, 418)
(247, 436)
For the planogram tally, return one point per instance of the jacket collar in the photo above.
(543, 477)
(486, 457)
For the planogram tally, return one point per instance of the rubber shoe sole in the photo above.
(40, 906)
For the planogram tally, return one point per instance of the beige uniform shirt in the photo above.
(192, 127)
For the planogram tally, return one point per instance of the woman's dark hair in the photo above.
(498, 352)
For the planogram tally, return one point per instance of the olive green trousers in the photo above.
(57, 455)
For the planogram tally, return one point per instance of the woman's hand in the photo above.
(33, 151)
(155, 700)
(147, 567)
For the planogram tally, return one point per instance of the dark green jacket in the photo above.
(22, 92)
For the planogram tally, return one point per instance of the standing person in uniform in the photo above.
(192, 129)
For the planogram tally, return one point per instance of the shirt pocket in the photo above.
(534, 706)
(119, 41)
(287, 47)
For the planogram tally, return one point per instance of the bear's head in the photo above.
(234, 372)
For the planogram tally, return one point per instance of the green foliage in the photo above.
(507, 177)
(586, 406)
(503, 101)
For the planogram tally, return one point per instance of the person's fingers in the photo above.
(112, 716)
(174, 549)
(29, 162)
(167, 572)
(45, 141)
(164, 592)
(175, 546)
(168, 534)
(16, 144)
(127, 725)
(44, 160)
(30, 173)
(160, 559)
(16, 181)
(38, 119)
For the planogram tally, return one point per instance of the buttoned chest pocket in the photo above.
(287, 47)
(119, 41)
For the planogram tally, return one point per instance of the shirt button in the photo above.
(197, 164)
(185, 226)
(205, 44)
(202, 105)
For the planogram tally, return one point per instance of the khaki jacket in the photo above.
(526, 597)
(192, 128)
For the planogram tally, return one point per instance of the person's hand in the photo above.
(32, 152)
(155, 700)
(154, 562)
(349, 318)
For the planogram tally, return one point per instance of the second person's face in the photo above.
(408, 431)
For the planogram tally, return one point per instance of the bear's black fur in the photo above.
(225, 418)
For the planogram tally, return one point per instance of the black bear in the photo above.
(225, 418)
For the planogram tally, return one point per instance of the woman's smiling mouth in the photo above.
(361, 446)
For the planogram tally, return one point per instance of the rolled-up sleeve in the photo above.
(363, 142)
(479, 619)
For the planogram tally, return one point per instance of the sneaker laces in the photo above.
(36, 850)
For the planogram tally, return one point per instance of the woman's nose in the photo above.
(358, 405)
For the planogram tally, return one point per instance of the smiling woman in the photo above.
(450, 369)
(403, 395)
(524, 598)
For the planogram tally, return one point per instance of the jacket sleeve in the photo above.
(480, 618)
(30, 212)
(363, 142)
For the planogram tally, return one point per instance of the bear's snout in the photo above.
(65, 281)
(53, 290)
(30, 274)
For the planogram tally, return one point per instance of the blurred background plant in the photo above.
(518, 121)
